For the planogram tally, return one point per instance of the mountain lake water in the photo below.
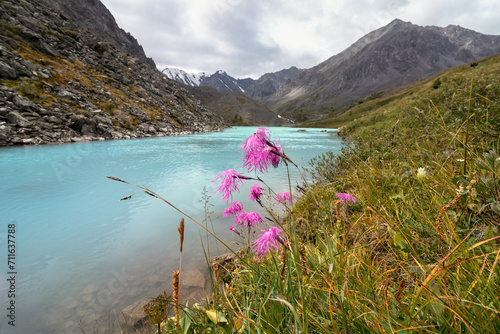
(82, 256)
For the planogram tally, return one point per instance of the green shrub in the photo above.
(107, 106)
(436, 83)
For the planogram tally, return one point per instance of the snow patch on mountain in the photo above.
(190, 79)
(219, 80)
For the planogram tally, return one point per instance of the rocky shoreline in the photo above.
(23, 122)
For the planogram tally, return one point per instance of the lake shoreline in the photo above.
(128, 135)
(85, 254)
(36, 141)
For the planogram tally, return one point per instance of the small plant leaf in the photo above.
(216, 316)
(185, 321)
(495, 207)
(400, 242)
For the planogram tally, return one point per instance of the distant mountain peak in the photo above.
(219, 80)
(190, 79)
(393, 55)
(397, 22)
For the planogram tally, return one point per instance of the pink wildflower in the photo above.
(237, 232)
(262, 133)
(234, 209)
(283, 198)
(255, 192)
(248, 219)
(267, 241)
(259, 152)
(346, 198)
(275, 158)
(230, 181)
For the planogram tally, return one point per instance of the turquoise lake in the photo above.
(83, 256)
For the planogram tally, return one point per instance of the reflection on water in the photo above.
(83, 256)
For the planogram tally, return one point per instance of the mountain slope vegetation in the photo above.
(387, 105)
(399, 233)
(235, 108)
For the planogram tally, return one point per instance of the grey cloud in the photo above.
(235, 37)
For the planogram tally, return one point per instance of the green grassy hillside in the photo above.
(399, 233)
(389, 105)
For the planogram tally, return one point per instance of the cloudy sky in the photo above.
(247, 38)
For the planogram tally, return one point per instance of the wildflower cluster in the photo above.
(248, 219)
(346, 198)
(258, 154)
(230, 181)
(234, 209)
(267, 241)
(255, 192)
(283, 198)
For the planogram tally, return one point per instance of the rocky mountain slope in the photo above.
(226, 96)
(94, 16)
(394, 55)
(60, 82)
(270, 83)
(237, 109)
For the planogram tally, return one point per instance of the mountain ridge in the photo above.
(95, 16)
(219, 80)
(226, 96)
(393, 55)
(396, 54)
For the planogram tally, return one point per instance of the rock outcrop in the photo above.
(94, 16)
(61, 83)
